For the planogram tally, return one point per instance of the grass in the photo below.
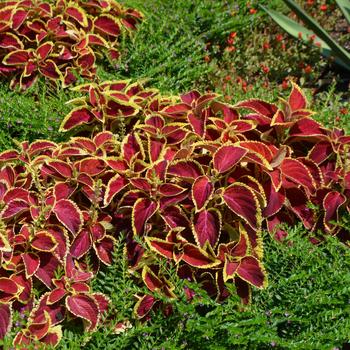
(306, 305)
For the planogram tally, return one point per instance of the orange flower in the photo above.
(206, 58)
(265, 69)
(284, 84)
(227, 78)
(252, 11)
(323, 7)
(343, 110)
(266, 45)
(308, 69)
(279, 37)
(233, 35)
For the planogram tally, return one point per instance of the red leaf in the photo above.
(44, 241)
(78, 14)
(259, 106)
(331, 204)
(68, 213)
(143, 209)
(242, 201)
(5, 319)
(91, 166)
(8, 289)
(17, 57)
(160, 246)
(227, 156)
(81, 244)
(76, 117)
(297, 99)
(31, 263)
(144, 305)
(207, 227)
(298, 172)
(275, 200)
(197, 257)
(84, 307)
(202, 190)
(114, 186)
(50, 70)
(44, 50)
(108, 25)
(104, 249)
(186, 169)
(250, 271)
(15, 207)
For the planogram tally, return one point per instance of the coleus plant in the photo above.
(193, 182)
(60, 39)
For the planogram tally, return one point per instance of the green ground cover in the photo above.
(307, 302)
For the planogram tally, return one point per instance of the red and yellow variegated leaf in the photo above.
(5, 319)
(16, 193)
(63, 190)
(31, 263)
(60, 168)
(259, 106)
(331, 204)
(242, 200)
(202, 191)
(68, 213)
(17, 57)
(275, 200)
(320, 152)
(44, 50)
(91, 166)
(107, 24)
(81, 244)
(10, 41)
(143, 209)
(80, 287)
(151, 280)
(198, 257)
(78, 14)
(161, 247)
(132, 147)
(230, 269)
(114, 186)
(50, 70)
(39, 146)
(56, 295)
(47, 269)
(207, 227)
(53, 336)
(15, 207)
(296, 171)
(85, 307)
(251, 271)
(227, 157)
(297, 99)
(104, 249)
(76, 117)
(9, 155)
(44, 241)
(188, 169)
(102, 301)
(8, 289)
(144, 305)
(198, 123)
(170, 190)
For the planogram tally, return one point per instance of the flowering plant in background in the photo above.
(193, 182)
(60, 40)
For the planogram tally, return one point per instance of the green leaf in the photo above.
(339, 52)
(345, 7)
(295, 29)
